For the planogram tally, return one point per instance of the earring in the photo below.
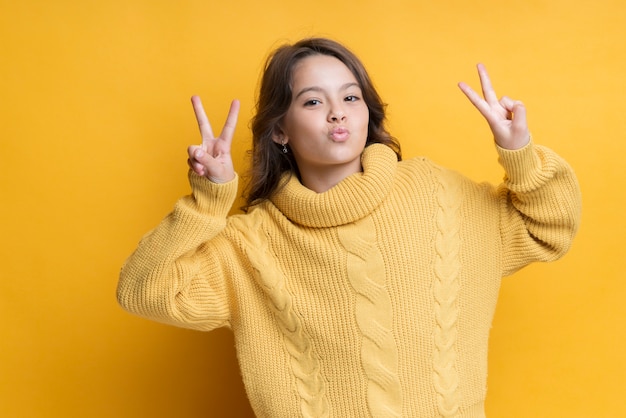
(285, 150)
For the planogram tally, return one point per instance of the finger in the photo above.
(518, 134)
(520, 123)
(512, 107)
(508, 104)
(194, 151)
(478, 102)
(485, 82)
(196, 154)
(199, 156)
(231, 121)
(196, 167)
(203, 122)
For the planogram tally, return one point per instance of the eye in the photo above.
(352, 98)
(312, 102)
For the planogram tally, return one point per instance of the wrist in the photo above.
(514, 144)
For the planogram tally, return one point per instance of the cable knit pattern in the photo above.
(305, 362)
(374, 317)
(374, 298)
(446, 289)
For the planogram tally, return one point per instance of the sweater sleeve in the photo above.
(165, 279)
(540, 206)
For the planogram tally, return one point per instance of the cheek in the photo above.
(364, 113)
(299, 124)
(365, 119)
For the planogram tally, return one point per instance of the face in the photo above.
(326, 124)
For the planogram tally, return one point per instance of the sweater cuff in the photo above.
(212, 198)
(522, 166)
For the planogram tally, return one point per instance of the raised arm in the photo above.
(540, 197)
(167, 279)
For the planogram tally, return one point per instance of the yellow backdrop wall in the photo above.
(94, 123)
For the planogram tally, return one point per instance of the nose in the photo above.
(336, 114)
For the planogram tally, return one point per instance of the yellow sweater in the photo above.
(374, 298)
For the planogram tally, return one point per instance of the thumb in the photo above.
(196, 153)
(519, 116)
(519, 134)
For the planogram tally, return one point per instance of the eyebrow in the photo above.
(319, 89)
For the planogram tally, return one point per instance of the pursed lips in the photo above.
(339, 134)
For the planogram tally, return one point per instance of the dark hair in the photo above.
(268, 161)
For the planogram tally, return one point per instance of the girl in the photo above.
(355, 284)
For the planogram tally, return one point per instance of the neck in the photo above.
(323, 179)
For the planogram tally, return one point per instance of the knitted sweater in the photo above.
(374, 298)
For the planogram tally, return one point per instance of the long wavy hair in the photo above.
(269, 162)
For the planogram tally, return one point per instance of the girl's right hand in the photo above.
(212, 158)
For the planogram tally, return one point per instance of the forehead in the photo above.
(321, 69)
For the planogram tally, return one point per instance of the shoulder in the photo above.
(428, 177)
(421, 168)
(263, 216)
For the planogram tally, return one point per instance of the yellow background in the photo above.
(95, 120)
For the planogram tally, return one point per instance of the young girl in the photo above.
(355, 284)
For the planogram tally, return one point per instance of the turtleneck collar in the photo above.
(350, 200)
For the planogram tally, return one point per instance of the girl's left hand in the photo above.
(506, 117)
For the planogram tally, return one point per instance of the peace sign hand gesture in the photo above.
(212, 159)
(506, 117)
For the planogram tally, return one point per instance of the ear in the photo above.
(279, 137)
